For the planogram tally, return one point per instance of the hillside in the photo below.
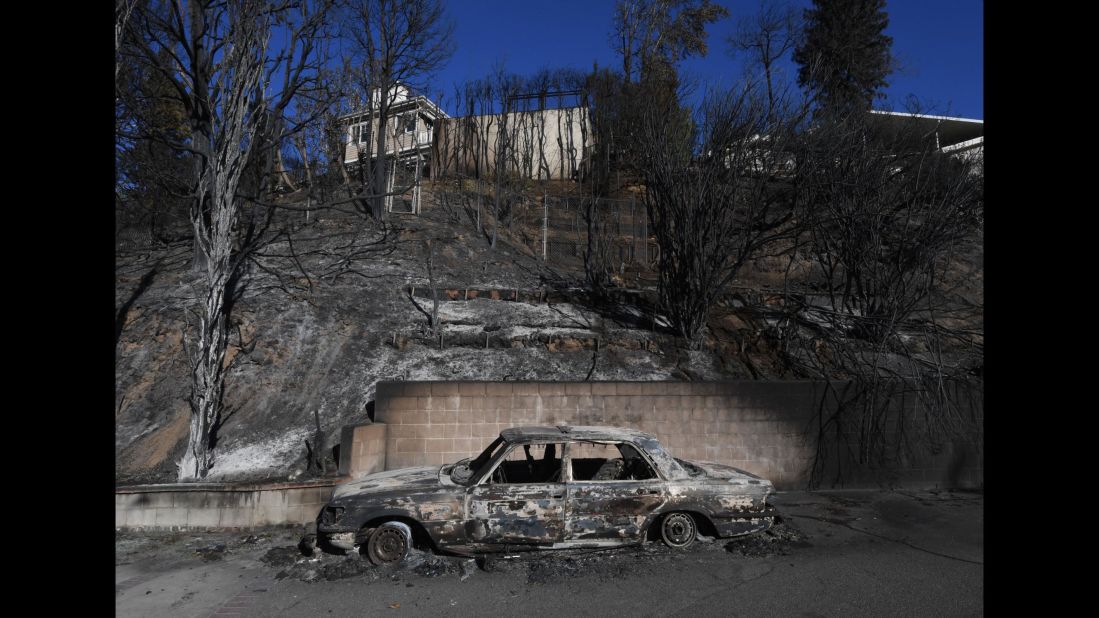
(323, 319)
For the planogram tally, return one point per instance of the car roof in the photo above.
(571, 432)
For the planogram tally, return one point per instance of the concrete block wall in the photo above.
(365, 449)
(764, 427)
(208, 505)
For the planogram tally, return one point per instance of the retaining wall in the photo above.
(768, 428)
(365, 449)
(199, 506)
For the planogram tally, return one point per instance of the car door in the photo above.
(610, 493)
(523, 507)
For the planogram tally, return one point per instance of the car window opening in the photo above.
(486, 455)
(530, 463)
(608, 462)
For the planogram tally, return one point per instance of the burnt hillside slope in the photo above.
(322, 320)
(316, 341)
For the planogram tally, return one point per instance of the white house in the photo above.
(409, 128)
(962, 137)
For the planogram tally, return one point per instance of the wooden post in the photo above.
(545, 223)
(416, 187)
(389, 186)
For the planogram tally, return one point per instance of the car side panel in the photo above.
(439, 512)
(523, 513)
(611, 510)
(731, 508)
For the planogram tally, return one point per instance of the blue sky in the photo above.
(938, 42)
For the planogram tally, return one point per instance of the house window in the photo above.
(409, 123)
(360, 134)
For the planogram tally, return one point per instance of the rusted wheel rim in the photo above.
(388, 544)
(678, 529)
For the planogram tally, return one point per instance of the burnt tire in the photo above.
(308, 544)
(389, 543)
(678, 530)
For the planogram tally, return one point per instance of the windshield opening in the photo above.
(465, 469)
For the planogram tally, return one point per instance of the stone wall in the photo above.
(768, 428)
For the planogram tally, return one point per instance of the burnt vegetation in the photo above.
(788, 235)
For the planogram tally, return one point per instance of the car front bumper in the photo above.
(339, 540)
(746, 523)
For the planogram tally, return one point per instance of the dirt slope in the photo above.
(320, 344)
(320, 322)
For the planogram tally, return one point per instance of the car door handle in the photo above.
(650, 492)
(558, 496)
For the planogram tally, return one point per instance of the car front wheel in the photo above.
(678, 530)
(389, 543)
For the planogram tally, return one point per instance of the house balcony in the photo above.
(400, 145)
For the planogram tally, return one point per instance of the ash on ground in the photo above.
(135, 546)
(779, 539)
(322, 566)
(215, 551)
(539, 567)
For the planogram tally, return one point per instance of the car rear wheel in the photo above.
(389, 543)
(678, 530)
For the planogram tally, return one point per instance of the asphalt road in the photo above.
(851, 553)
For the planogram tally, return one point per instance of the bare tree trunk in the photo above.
(122, 9)
(214, 232)
(501, 163)
(286, 180)
(381, 161)
(416, 192)
(303, 151)
(207, 373)
(430, 249)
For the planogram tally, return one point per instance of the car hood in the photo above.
(424, 478)
(724, 472)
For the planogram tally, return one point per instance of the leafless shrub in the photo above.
(598, 269)
(716, 194)
(884, 207)
(884, 215)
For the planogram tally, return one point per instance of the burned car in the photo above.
(546, 488)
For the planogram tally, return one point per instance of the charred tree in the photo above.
(714, 195)
(766, 38)
(215, 62)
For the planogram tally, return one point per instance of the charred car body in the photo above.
(546, 488)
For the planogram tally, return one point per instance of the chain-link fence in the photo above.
(611, 234)
(607, 238)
